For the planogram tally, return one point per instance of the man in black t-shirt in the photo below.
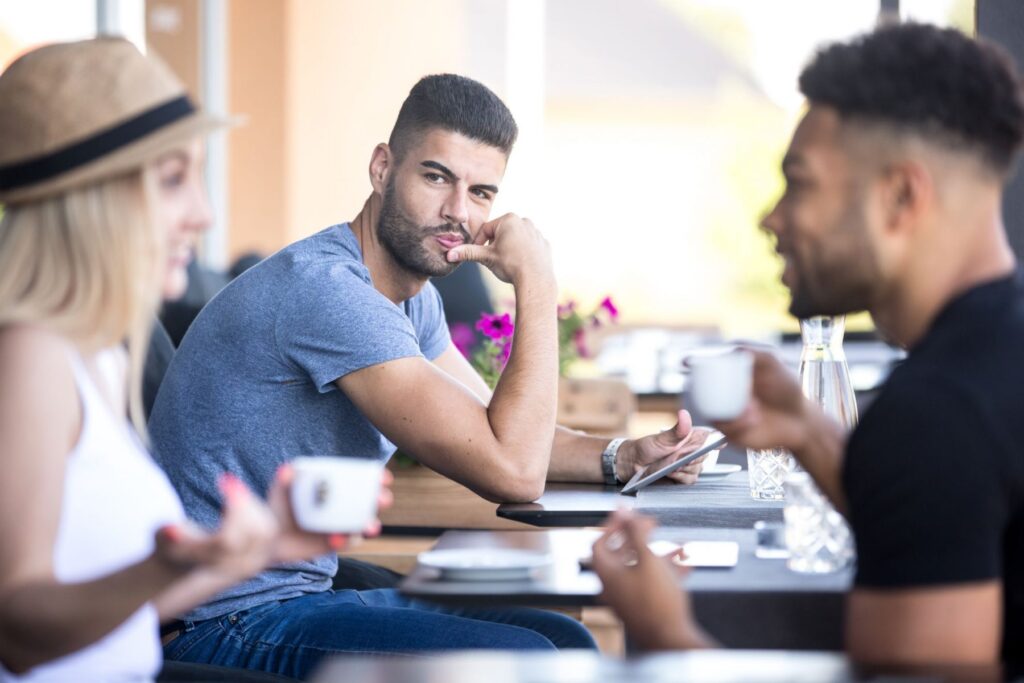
(894, 182)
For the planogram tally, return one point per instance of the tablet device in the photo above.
(670, 463)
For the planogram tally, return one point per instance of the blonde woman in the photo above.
(100, 157)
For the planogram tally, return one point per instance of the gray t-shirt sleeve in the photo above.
(426, 310)
(332, 322)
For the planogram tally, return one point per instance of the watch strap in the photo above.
(609, 459)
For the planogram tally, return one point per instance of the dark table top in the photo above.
(757, 603)
(715, 503)
(720, 666)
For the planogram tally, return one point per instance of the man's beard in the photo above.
(403, 239)
(845, 281)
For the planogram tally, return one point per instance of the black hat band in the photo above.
(95, 146)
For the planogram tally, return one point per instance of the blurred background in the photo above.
(652, 130)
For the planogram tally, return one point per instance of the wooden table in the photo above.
(720, 666)
(714, 503)
(759, 603)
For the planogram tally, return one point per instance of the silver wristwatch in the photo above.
(608, 461)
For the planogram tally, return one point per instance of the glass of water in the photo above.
(768, 469)
(818, 537)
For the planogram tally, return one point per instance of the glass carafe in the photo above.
(818, 537)
(824, 375)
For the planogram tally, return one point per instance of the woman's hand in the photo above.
(241, 547)
(253, 535)
(293, 543)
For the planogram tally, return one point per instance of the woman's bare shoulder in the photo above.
(35, 366)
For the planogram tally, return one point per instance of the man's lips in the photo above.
(449, 241)
(788, 269)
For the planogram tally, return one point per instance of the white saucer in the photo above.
(718, 471)
(485, 564)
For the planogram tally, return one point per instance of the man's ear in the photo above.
(381, 166)
(908, 189)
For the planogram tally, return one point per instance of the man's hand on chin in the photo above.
(681, 439)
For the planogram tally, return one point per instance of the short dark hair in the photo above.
(959, 92)
(457, 104)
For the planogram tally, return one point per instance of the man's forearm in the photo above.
(522, 410)
(576, 456)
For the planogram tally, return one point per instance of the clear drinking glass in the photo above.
(768, 469)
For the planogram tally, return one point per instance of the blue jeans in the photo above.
(290, 637)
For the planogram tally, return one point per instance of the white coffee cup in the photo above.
(711, 459)
(335, 495)
(720, 383)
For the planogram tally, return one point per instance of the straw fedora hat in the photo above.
(76, 113)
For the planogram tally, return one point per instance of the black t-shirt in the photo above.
(934, 473)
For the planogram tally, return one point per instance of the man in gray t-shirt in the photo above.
(337, 345)
(253, 385)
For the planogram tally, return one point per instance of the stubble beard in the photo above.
(843, 282)
(403, 239)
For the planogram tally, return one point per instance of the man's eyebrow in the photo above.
(493, 189)
(439, 167)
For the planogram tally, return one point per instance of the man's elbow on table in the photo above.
(511, 485)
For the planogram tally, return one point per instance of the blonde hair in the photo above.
(82, 264)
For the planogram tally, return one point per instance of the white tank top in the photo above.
(115, 498)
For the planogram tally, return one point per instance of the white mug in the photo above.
(720, 383)
(335, 495)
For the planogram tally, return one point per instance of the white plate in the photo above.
(719, 471)
(485, 564)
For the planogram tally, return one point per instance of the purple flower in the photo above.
(567, 309)
(609, 306)
(463, 337)
(580, 342)
(496, 326)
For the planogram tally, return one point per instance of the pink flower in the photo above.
(463, 337)
(609, 306)
(565, 310)
(580, 342)
(496, 326)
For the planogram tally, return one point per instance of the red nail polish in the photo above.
(230, 485)
(172, 532)
(336, 541)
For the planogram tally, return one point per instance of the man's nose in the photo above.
(456, 207)
(771, 222)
